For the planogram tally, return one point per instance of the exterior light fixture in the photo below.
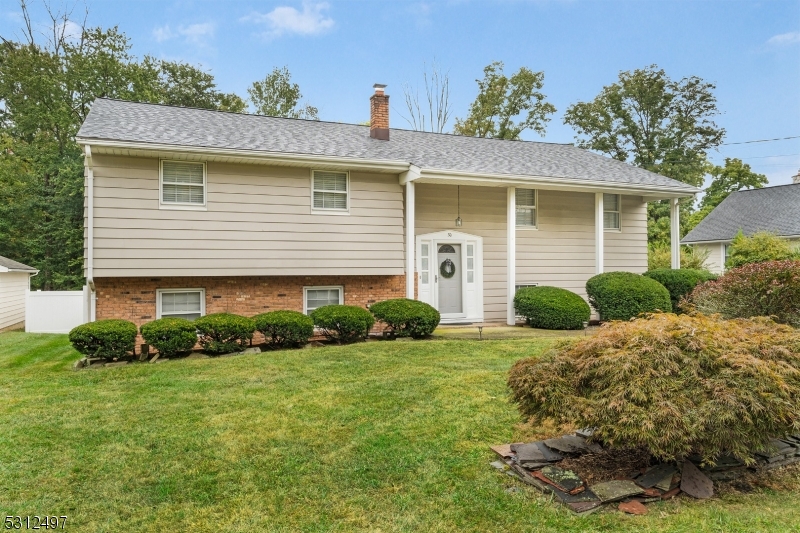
(458, 217)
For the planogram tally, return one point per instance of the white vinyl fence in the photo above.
(55, 311)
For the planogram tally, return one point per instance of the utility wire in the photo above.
(762, 140)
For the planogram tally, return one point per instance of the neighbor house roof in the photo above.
(774, 209)
(7, 265)
(164, 126)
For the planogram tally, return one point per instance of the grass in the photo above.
(385, 436)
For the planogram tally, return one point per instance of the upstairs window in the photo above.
(183, 183)
(526, 208)
(611, 208)
(330, 190)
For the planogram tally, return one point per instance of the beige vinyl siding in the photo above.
(561, 252)
(12, 298)
(716, 256)
(258, 221)
(483, 211)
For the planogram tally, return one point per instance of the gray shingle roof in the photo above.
(773, 209)
(187, 127)
(14, 265)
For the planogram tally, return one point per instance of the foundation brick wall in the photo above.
(134, 299)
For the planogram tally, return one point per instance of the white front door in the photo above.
(449, 272)
(458, 294)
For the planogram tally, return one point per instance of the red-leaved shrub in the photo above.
(771, 288)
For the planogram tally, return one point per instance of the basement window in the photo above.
(183, 184)
(180, 303)
(611, 209)
(330, 191)
(316, 297)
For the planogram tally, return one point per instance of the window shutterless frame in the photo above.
(159, 301)
(612, 218)
(306, 290)
(330, 193)
(533, 209)
(182, 205)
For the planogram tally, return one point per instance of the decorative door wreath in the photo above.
(447, 269)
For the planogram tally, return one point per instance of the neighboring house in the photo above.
(14, 283)
(773, 209)
(190, 211)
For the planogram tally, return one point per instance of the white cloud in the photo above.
(792, 37)
(196, 34)
(285, 19)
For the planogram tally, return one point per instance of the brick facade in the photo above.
(134, 299)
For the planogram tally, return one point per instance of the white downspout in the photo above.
(675, 233)
(410, 240)
(90, 234)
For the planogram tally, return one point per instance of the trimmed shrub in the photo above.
(679, 282)
(551, 308)
(343, 323)
(224, 332)
(285, 329)
(771, 288)
(675, 384)
(170, 336)
(104, 338)
(624, 295)
(762, 246)
(407, 318)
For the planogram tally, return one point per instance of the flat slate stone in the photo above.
(549, 454)
(565, 480)
(633, 507)
(503, 450)
(584, 507)
(610, 491)
(656, 475)
(585, 432)
(695, 483)
(572, 444)
(527, 453)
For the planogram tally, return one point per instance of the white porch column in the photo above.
(675, 232)
(598, 233)
(411, 243)
(511, 255)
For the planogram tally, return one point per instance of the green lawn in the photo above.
(382, 436)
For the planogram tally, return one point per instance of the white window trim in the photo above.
(535, 211)
(321, 287)
(329, 210)
(159, 292)
(618, 212)
(181, 205)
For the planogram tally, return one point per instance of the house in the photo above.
(191, 211)
(773, 209)
(14, 283)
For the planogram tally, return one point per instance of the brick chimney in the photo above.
(379, 114)
(796, 177)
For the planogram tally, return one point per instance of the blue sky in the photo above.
(336, 50)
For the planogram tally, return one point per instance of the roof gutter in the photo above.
(717, 241)
(566, 183)
(253, 155)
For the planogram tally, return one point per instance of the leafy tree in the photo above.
(762, 246)
(501, 99)
(734, 176)
(656, 123)
(277, 96)
(434, 112)
(46, 91)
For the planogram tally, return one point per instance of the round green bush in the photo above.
(551, 308)
(624, 295)
(224, 332)
(407, 318)
(680, 281)
(285, 329)
(104, 338)
(170, 336)
(343, 323)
